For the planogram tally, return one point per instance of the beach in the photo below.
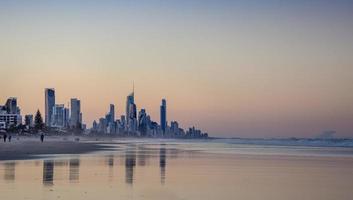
(172, 169)
(31, 147)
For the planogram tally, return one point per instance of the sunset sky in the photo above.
(232, 68)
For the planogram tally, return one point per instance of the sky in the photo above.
(273, 68)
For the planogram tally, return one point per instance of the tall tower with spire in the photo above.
(131, 110)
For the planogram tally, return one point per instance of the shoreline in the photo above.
(26, 147)
(31, 148)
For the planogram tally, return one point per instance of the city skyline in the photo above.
(176, 99)
(61, 119)
(232, 68)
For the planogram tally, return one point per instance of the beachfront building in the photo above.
(76, 115)
(11, 106)
(195, 133)
(174, 129)
(29, 121)
(66, 117)
(131, 113)
(2, 125)
(112, 113)
(141, 125)
(163, 115)
(58, 116)
(49, 105)
(10, 119)
(10, 114)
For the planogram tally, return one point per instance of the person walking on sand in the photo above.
(42, 137)
(5, 136)
(10, 138)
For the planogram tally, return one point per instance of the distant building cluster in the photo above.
(140, 124)
(56, 115)
(132, 124)
(59, 116)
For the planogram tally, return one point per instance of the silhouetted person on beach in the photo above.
(42, 137)
(5, 136)
(10, 138)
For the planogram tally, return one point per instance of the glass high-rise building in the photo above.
(58, 117)
(131, 116)
(163, 115)
(76, 116)
(129, 101)
(66, 117)
(11, 106)
(112, 113)
(49, 105)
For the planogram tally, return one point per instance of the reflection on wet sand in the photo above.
(162, 162)
(74, 169)
(142, 155)
(9, 171)
(49, 167)
(68, 170)
(191, 175)
(110, 160)
(130, 163)
(48, 172)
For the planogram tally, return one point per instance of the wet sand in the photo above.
(153, 170)
(29, 148)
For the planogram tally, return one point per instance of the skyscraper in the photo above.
(49, 104)
(10, 114)
(57, 119)
(132, 119)
(131, 113)
(76, 115)
(142, 122)
(112, 113)
(11, 106)
(95, 126)
(129, 101)
(66, 117)
(164, 115)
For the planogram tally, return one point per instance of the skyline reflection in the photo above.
(130, 163)
(48, 172)
(160, 170)
(74, 169)
(9, 171)
(57, 171)
(162, 162)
